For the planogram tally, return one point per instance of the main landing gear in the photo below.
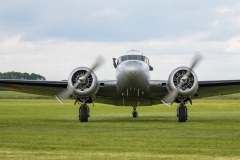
(84, 112)
(182, 112)
(135, 113)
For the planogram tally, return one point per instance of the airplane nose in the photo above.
(132, 78)
(132, 68)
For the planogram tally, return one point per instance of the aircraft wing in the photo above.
(47, 88)
(221, 87)
(206, 89)
(107, 89)
(106, 93)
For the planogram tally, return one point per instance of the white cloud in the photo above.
(233, 45)
(215, 23)
(224, 9)
(53, 39)
(56, 58)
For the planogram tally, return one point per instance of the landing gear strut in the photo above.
(182, 112)
(135, 113)
(84, 112)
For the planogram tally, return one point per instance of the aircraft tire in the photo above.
(182, 114)
(135, 114)
(83, 113)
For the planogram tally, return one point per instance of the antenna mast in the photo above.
(133, 50)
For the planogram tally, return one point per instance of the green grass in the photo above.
(19, 95)
(44, 129)
(235, 96)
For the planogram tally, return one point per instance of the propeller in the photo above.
(172, 95)
(66, 93)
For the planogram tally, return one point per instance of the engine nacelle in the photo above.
(188, 88)
(88, 87)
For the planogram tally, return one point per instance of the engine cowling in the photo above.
(88, 87)
(188, 88)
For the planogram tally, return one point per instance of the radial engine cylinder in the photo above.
(87, 87)
(188, 88)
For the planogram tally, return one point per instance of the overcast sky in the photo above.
(53, 37)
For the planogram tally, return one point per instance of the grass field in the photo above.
(19, 95)
(44, 129)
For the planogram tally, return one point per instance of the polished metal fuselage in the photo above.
(133, 79)
(133, 86)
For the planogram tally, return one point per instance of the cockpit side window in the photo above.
(119, 60)
(145, 59)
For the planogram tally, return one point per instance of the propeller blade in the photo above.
(197, 58)
(100, 60)
(171, 96)
(66, 93)
(63, 95)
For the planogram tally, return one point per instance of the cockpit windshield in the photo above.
(132, 57)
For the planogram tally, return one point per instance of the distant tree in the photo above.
(19, 75)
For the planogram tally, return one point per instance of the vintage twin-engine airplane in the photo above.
(132, 86)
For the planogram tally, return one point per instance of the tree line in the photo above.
(19, 75)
